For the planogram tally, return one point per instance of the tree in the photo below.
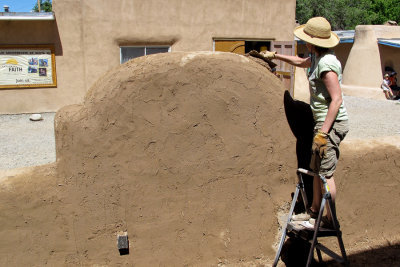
(45, 6)
(347, 14)
(386, 10)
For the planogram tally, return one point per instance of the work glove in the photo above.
(268, 54)
(319, 143)
(256, 54)
(260, 59)
(263, 55)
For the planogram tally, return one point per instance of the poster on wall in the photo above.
(27, 67)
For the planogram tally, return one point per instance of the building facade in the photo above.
(90, 37)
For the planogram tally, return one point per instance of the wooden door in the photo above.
(283, 69)
(233, 46)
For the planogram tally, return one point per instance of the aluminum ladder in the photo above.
(311, 235)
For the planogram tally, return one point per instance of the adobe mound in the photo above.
(190, 153)
(220, 209)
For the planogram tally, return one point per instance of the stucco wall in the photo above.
(342, 52)
(363, 73)
(89, 34)
(363, 67)
(186, 25)
(32, 33)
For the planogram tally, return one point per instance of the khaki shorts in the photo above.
(327, 165)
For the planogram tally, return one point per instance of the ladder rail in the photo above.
(330, 253)
(315, 236)
(284, 229)
(302, 190)
(338, 233)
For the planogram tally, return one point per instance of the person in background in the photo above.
(386, 87)
(326, 101)
(393, 85)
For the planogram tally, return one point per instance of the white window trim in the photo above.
(145, 49)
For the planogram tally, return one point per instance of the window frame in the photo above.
(141, 46)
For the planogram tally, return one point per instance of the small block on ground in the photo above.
(123, 242)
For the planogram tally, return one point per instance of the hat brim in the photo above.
(330, 42)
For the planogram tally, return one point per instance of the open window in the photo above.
(241, 46)
(284, 71)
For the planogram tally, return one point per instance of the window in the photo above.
(129, 52)
(241, 46)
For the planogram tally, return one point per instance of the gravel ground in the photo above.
(370, 118)
(27, 143)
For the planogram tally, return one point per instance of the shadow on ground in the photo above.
(295, 252)
(382, 256)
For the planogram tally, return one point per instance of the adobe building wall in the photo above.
(88, 35)
(30, 32)
(342, 52)
(365, 66)
(65, 34)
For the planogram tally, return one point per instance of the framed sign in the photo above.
(27, 66)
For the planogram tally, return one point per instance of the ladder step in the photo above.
(301, 229)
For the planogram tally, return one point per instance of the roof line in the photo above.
(395, 42)
(26, 16)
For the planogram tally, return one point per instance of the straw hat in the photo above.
(317, 31)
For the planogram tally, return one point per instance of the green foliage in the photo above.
(45, 6)
(347, 14)
(385, 10)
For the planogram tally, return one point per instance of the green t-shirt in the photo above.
(319, 95)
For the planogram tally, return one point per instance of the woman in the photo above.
(326, 101)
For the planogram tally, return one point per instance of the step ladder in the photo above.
(302, 230)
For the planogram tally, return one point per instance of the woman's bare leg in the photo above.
(316, 203)
(317, 194)
(332, 189)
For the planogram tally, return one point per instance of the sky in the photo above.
(18, 5)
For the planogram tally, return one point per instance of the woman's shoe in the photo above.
(325, 223)
(305, 216)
